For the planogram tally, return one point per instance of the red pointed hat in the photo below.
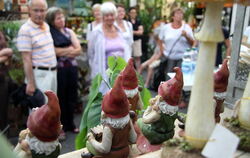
(115, 103)
(171, 90)
(221, 78)
(44, 123)
(129, 79)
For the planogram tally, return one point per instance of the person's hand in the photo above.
(30, 89)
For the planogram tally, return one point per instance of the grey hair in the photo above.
(96, 6)
(31, 1)
(107, 8)
(51, 15)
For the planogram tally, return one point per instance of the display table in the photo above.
(157, 154)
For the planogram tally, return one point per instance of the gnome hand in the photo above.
(90, 136)
(156, 108)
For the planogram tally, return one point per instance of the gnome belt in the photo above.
(117, 149)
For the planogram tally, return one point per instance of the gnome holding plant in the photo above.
(157, 124)
(220, 89)
(40, 139)
(117, 128)
(130, 86)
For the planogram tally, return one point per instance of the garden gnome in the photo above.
(40, 139)
(220, 88)
(117, 127)
(157, 124)
(130, 86)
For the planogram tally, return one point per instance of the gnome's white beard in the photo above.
(42, 147)
(131, 93)
(116, 123)
(167, 109)
(220, 96)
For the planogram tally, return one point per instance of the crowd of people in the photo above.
(49, 50)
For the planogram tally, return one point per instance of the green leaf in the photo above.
(116, 63)
(145, 96)
(113, 77)
(79, 141)
(92, 119)
(94, 90)
(94, 114)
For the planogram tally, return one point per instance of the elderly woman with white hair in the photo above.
(98, 19)
(106, 40)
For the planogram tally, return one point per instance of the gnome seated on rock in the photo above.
(130, 86)
(118, 131)
(40, 139)
(157, 124)
(220, 89)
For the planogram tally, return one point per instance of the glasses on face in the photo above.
(39, 10)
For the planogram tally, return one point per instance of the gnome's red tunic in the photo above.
(220, 88)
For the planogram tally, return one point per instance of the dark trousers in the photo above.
(67, 93)
(4, 94)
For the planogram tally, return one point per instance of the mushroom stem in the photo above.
(244, 111)
(200, 117)
(211, 28)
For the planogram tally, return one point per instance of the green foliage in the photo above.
(151, 13)
(17, 75)
(180, 143)
(10, 30)
(91, 115)
(115, 66)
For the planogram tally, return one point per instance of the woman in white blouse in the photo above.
(126, 29)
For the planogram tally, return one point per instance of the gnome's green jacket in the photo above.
(158, 125)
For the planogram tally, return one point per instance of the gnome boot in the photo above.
(86, 155)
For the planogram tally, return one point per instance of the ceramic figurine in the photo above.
(40, 139)
(220, 88)
(117, 130)
(157, 124)
(130, 86)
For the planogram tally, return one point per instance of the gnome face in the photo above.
(171, 90)
(44, 122)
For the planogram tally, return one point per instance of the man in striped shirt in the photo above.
(38, 53)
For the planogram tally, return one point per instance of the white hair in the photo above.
(96, 6)
(107, 8)
(31, 1)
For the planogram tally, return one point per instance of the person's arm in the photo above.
(63, 51)
(5, 53)
(104, 146)
(139, 31)
(28, 70)
(228, 47)
(189, 39)
(76, 45)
